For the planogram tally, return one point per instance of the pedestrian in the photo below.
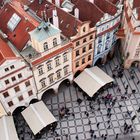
(76, 137)
(98, 125)
(133, 118)
(116, 136)
(89, 122)
(138, 82)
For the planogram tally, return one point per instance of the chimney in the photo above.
(57, 3)
(55, 19)
(92, 1)
(76, 13)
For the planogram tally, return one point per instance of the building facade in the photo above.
(17, 86)
(130, 34)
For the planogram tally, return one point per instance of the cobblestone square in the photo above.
(78, 125)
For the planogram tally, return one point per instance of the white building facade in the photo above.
(106, 35)
(55, 62)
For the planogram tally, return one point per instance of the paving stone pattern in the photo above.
(79, 124)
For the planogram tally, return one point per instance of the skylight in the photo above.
(13, 22)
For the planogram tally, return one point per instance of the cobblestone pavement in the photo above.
(78, 125)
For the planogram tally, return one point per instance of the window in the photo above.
(65, 70)
(43, 83)
(20, 98)
(90, 46)
(84, 29)
(99, 39)
(77, 52)
(7, 82)
(13, 78)
(58, 75)
(6, 69)
(65, 57)
(83, 60)
(6, 94)
(45, 46)
(89, 57)
(49, 67)
(12, 67)
(17, 89)
(10, 103)
(77, 64)
(84, 49)
(30, 93)
(99, 48)
(77, 43)
(57, 62)
(20, 75)
(51, 79)
(91, 37)
(137, 52)
(27, 83)
(106, 44)
(40, 71)
(108, 36)
(13, 22)
(84, 40)
(54, 42)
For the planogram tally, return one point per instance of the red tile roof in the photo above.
(136, 3)
(5, 52)
(19, 36)
(114, 1)
(88, 11)
(50, 55)
(106, 6)
(68, 26)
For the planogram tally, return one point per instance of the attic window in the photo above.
(13, 22)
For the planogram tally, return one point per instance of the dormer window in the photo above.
(45, 46)
(55, 42)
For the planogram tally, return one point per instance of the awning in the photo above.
(38, 116)
(7, 129)
(92, 79)
(2, 111)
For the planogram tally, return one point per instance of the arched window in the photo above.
(99, 48)
(55, 42)
(45, 46)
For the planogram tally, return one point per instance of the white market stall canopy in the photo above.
(92, 79)
(2, 111)
(38, 116)
(7, 128)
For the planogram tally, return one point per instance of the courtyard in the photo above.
(77, 126)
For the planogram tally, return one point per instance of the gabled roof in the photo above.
(88, 11)
(136, 3)
(68, 24)
(6, 52)
(19, 36)
(106, 6)
(44, 31)
(114, 1)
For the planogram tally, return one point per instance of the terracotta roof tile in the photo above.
(106, 6)
(19, 36)
(67, 22)
(136, 3)
(5, 52)
(88, 11)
